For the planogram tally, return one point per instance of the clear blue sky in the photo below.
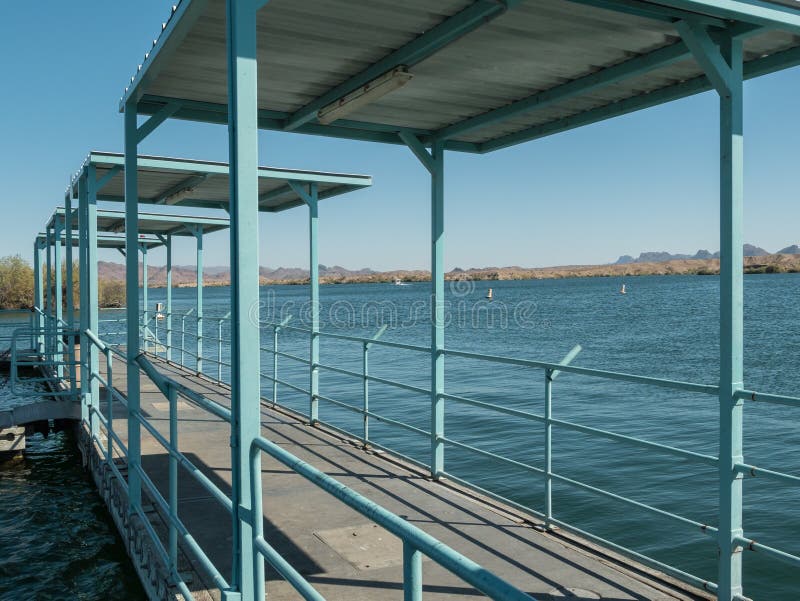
(647, 181)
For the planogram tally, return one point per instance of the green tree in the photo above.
(16, 283)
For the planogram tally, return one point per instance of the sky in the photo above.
(643, 182)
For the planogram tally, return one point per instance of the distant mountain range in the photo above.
(659, 257)
(703, 262)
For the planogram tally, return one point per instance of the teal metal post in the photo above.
(437, 310)
(412, 573)
(48, 341)
(58, 228)
(248, 567)
(313, 253)
(731, 325)
(169, 297)
(145, 301)
(83, 268)
(92, 305)
(173, 480)
(37, 292)
(548, 448)
(132, 301)
(70, 292)
(199, 293)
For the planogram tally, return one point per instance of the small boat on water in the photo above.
(490, 294)
(399, 282)
(622, 290)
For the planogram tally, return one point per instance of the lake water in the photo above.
(663, 327)
(57, 540)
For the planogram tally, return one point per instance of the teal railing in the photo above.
(549, 372)
(415, 541)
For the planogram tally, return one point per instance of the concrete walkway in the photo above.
(342, 553)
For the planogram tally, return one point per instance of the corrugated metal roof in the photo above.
(554, 58)
(204, 184)
(149, 223)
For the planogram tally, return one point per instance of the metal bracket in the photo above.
(418, 149)
(100, 183)
(707, 53)
(566, 360)
(307, 196)
(157, 119)
(377, 335)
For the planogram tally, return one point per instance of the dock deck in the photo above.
(339, 551)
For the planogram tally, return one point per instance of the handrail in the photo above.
(419, 540)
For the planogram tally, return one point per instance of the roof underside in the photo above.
(205, 184)
(110, 240)
(490, 74)
(150, 223)
(155, 224)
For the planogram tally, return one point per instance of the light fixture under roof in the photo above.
(369, 92)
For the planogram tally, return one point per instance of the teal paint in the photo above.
(437, 310)
(83, 266)
(70, 287)
(132, 313)
(412, 573)
(145, 300)
(247, 568)
(58, 226)
(38, 294)
(313, 253)
(199, 298)
(731, 325)
(92, 290)
(168, 243)
(173, 479)
(49, 293)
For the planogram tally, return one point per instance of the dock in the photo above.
(340, 552)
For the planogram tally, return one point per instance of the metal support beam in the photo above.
(427, 44)
(112, 173)
(174, 194)
(650, 10)
(70, 288)
(58, 228)
(132, 301)
(313, 257)
(92, 300)
(248, 568)
(707, 54)
(153, 122)
(168, 243)
(83, 280)
(434, 162)
(145, 300)
(767, 14)
(198, 233)
(38, 293)
(731, 326)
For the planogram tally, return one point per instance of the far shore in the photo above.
(776, 263)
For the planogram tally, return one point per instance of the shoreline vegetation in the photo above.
(184, 277)
(16, 275)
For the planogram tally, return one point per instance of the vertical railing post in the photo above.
(173, 479)
(412, 573)
(219, 350)
(548, 448)
(275, 365)
(183, 338)
(365, 376)
(132, 300)
(731, 325)
(247, 574)
(549, 376)
(110, 406)
(169, 298)
(437, 310)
